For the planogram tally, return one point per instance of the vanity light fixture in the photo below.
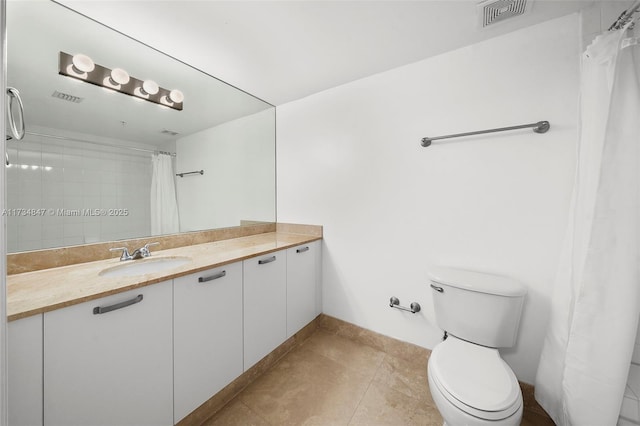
(82, 67)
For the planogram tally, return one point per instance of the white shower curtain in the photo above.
(596, 301)
(164, 208)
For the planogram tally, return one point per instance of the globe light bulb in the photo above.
(150, 87)
(82, 63)
(176, 96)
(119, 76)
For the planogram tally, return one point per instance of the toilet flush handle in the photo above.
(436, 288)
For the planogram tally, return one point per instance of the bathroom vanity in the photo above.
(87, 347)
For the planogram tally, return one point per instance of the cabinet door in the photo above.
(303, 286)
(109, 361)
(265, 308)
(207, 335)
(25, 371)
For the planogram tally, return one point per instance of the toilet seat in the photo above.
(475, 379)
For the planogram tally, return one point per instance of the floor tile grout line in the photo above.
(355, 370)
(367, 389)
(320, 378)
(256, 413)
(239, 393)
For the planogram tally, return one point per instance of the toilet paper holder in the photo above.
(394, 302)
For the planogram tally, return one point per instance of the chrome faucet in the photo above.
(143, 251)
(137, 253)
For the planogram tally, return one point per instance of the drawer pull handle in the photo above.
(212, 277)
(103, 310)
(269, 260)
(302, 249)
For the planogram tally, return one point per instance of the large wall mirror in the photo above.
(92, 157)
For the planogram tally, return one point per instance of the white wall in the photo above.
(350, 159)
(239, 178)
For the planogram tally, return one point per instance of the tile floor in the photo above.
(331, 380)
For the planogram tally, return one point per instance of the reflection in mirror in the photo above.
(84, 171)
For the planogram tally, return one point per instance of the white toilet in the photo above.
(469, 381)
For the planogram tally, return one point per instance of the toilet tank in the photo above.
(476, 306)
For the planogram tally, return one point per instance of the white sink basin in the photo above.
(150, 265)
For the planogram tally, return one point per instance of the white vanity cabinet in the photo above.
(109, 361)
(25, 371)
(303, 285)
(265, 305)
(207, 335)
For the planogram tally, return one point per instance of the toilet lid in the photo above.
(475, 378)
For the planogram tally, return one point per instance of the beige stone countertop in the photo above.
(32, 293)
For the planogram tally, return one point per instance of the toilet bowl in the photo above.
(469, 381)
(471, 385)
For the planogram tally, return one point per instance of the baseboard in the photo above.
(386, 344)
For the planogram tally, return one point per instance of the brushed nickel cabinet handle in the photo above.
(212, 277)
(103, 310)
(269, 260)
(302, 249)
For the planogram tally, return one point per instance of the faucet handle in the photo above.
(145, 250)
(125, 252)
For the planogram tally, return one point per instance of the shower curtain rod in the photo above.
(539, 127)
(625, 16)
(64, 138)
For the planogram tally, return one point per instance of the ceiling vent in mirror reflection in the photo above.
(82, 67)
(493, 11)
(67, 97)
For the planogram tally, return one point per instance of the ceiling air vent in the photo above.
(494, 11)
(67, 97)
